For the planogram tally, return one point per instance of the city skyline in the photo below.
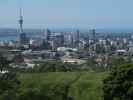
(67, 14)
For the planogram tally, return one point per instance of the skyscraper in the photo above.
(47, 34)
(78, 35)
(93, 38)
(94, 35)
(78, 38)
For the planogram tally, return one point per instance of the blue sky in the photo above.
(68, 13)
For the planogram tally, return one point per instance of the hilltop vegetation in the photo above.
(62, 85)
(119, 83)
(59, 81)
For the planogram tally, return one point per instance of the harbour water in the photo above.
(12, 37)
(9, 38)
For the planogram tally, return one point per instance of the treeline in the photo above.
(54, 66)
(90, 65)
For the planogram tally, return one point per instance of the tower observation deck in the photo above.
(21, 21)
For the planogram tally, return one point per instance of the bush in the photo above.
(119, 84)
(8, 86)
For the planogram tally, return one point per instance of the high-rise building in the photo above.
(93, 35)
(47, 35)
(77, 38)
(77, 35)
(68, 39)
(93, 38)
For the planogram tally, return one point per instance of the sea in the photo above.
(9, 38)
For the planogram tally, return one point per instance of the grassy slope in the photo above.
(83, 86)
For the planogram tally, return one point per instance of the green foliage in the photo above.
(100, 49)
(51, 85)
(103, 63)
(93, 65)
(61, 86)
(119, 84)
(115, 62)
(88, 87)
(54, 66)
(31, 94)
(3, 63)
(8, 81)
(8, 86)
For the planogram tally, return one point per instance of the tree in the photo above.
(3, 63)
(8, 86)
(32, 94)
(8, 81)
(119, 84)
(100, 48)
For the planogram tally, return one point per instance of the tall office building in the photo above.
(77, 35)
(68, 39)
(77, 38)
(93, 38)
(93, 35)
(47, 35)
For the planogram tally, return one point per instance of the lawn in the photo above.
(77, 85)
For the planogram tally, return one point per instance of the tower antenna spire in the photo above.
(20, 17)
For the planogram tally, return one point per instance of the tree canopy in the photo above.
(119, 84)
(3, 63)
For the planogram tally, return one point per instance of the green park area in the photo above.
(63, 85)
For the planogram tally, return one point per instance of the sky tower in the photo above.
(23, 38)
(21, 21)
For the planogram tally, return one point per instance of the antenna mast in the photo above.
(20, 18)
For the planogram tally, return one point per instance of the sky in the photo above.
(67, 13)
